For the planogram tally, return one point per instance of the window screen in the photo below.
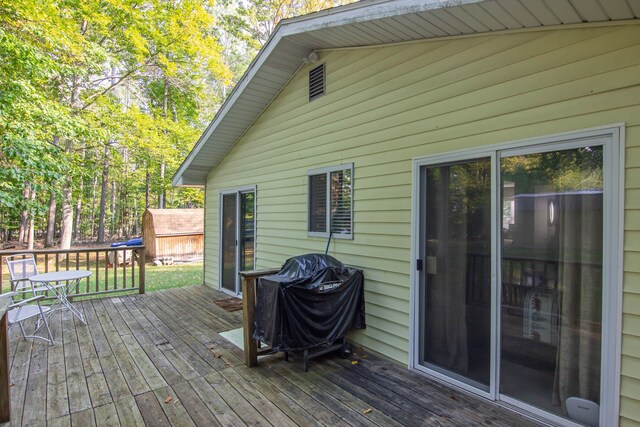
(331, 201)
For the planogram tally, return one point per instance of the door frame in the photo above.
(613, 242)
(238, 191)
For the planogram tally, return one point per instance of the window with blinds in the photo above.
(331, 201)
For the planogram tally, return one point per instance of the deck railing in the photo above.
(118, 269)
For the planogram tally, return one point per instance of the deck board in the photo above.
(159, 360)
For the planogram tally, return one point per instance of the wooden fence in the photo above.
(117, 269)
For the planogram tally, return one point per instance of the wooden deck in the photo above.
(158, 360)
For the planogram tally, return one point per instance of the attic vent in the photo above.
(316, 82)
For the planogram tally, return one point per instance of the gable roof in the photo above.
(365, 23)
(176, 222)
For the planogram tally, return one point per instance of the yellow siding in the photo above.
(387, 105)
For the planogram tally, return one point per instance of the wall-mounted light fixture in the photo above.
(312, 58)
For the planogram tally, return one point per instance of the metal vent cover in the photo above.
(316, 82)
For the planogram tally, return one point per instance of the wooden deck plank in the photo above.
(192, 328)
(236, 401)
(173, 407)
(84, 418)
(331, 395)
(323, 414)
(197, 409)
(128, 412)
(151, 411)
(77, 389)
(64, 421)
(247, 377)
(180, 338)
(151, 375)
(132, 375)
(216, 404)
(137, 350)
(204, 304)
(113, 375)
(18, 376)
(253, 393)
(107, 416)
(173, 367)
(35, 401)
(57, 398)
(96, 381)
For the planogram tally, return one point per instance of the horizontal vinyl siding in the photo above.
(388, 105)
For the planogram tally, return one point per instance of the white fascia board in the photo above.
(343, 15)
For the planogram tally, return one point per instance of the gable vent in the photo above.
(316, 82)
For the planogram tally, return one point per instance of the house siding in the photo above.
(387, 105)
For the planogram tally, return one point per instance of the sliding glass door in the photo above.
(456, 282)
(237, 236)
(552, 267)
(510, 267)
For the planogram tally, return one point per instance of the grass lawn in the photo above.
(173, 276)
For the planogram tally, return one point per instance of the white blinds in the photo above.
(341, 201)
(331, 201)
(318, 203)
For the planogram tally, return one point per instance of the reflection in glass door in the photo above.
(228, 255)
(237, 240)
(552, 260)
(455, 291)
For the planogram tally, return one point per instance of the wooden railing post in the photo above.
(143, 262)
(248, 312)
(5, 383)
(249, 281)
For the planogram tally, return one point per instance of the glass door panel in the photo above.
(228, 254)
(247, 231)
(551, 269)
(455, 300)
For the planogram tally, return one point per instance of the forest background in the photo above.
(101, 100)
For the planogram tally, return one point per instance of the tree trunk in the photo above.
(162, 195)
(114, 212)
(32, 230)
(66, 228)
(76, 224)
(147, 183)
(51, 221)
(24, 219)
(161, 202)
(103, 196)
(94, 184)
(67, 219)
(51, 218)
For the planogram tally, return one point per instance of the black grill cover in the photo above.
(313, 300)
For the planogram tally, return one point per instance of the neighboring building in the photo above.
(175, 233)
(479, 160)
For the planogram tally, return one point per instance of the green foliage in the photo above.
(125, 84)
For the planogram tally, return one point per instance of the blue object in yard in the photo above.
(132, 242)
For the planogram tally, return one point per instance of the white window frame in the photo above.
(327, 171)
(613, 202)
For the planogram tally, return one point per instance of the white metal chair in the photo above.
(21, 267)
(26, 309)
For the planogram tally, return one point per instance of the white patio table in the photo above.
(72, 277)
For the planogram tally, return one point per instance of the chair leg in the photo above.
(46, 324)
